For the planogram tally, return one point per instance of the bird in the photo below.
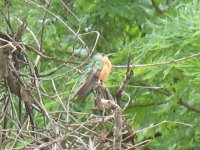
(98, 71)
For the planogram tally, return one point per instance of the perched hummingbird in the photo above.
(98, 71)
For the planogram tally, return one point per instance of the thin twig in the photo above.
(160, 64)
(57, 17)
(129, 74)
(164, 122)
(181, 102)
(71, 12)
(157, 7)
(158, 124)
(143, 143)
(42, 35)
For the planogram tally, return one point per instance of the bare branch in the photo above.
(157, 7)
(181, 102)
(160, 64)
(129, 74)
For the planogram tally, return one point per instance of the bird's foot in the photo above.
(98, 83)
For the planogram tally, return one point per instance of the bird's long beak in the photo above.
(110, 54)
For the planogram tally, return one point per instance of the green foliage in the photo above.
(174, 37)
(117, 21)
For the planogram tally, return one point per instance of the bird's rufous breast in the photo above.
(106, 68)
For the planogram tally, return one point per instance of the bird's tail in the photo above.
(88, 85)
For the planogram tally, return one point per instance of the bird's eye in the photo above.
(102, 54)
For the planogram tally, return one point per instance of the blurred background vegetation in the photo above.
(163, 37)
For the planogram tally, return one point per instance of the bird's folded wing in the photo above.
(88, 85)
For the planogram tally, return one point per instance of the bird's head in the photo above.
(102, 60)
(101, 57)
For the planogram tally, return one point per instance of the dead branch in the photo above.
(129, 74)
(111, 104)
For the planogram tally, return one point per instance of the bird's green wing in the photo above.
(89, 77)
(95, 64)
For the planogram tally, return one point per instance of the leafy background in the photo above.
(165, 50)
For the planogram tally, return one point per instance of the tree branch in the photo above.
(159, 64)
(157, 7)
(181, 102)
(129, 74)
